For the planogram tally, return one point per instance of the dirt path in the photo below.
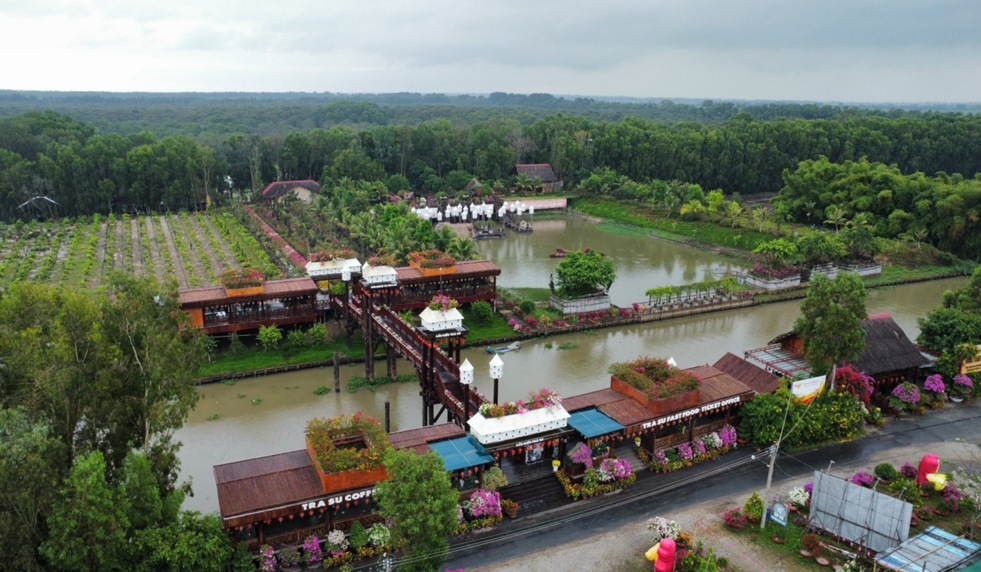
(59, 268)
(231, 261)
(120, 260)
(136, 244)
(175, 257)
(98, 276)
(207, 249)
(193, 263)
(159, 268)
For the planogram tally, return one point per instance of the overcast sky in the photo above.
(828, 50)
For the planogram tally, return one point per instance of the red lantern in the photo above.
(280, 519)
(291, 517)
(347, 505)
(321, 511)
(355, 502)
(469, 473)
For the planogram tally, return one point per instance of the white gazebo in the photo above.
(489, 430)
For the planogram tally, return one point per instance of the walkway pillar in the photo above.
(337, 373)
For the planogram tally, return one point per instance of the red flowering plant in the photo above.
(655, 377)
(855, 383)
(540, 399)
(328, 437)
(432, 259)
(330, 255)
(442, 303)
(381, 260)
(244, 278)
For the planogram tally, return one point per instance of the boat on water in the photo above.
(505, 349)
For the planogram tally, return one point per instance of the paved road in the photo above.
(902, 439)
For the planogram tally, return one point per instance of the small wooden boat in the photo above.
(505, 349)
(556, 255)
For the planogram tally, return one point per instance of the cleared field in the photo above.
(192, 248)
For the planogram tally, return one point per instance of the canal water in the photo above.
(243, 430)
(642, 263)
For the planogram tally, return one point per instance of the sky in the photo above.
(827, 50)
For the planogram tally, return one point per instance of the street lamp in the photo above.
(496, 372)
(466, 378)
(386, 562)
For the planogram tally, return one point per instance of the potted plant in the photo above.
(904, 397)
(779, 537)
(683, 540)
(289, 557)
(723, 563)
(734, 517)
(509, 508)
(312, 553)
(822, 560)
(267, 559)
(885, 472)
(810, 544)
(961, 388)
(943, 509)
(753, 508)
(934, 384)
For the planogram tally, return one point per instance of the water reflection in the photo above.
(642, 263)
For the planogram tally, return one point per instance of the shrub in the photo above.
(886, 471)
(481, 311)
(527, 307)
(235, 345)
(245, 278)
(358, 535)
(494, 479)
(269, 336)
(862, 478)
(661, 528)
(753, 508)
(318, 334)
(908, 471)
(810, 542)
(296, 339)
(333, 459)
(379, 534)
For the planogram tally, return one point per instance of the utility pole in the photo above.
(769, 475)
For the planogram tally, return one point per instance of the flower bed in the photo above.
(432, 262)
(482, 510)
(591, 487)
(295, 257)
(245, 282)
(331, 255)
(540, 399)
(655, 377)
(705, 448)
(347, 451)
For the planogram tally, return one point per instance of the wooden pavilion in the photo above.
(716, 405)
(218, 309)
(469, 281)
(282, 499)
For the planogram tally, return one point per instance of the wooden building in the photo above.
(889, 356)
(469, 281)
(716, 405)
(755, 377)
(282, 499)
(541, 170)
(220, 310)
(307, 191)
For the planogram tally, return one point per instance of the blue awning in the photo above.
(593, 423)
(461, 452)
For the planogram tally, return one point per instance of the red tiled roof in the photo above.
(266, 483)
(418, 439)
(464, 269)
(758, 379)
(717, 384)
(210, 295)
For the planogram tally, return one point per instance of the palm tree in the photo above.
(760, 215)
(462, 248)
(836, 216)
(735, 212)
(860, 220)
(399, 242)
(444, 236)
(671, 202)
(693, 207)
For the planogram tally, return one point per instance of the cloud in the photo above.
(699, 48)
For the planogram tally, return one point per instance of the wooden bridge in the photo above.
(368, 307)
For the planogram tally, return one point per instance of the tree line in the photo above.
(52, 155)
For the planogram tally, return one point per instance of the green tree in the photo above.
(191, 543)
(777, 253)
(830, 324)
(760, 215)
(481, 311)
(31, 467)
(269, 336)
(318, 334)
(734, 212)
(582, 273)
(87, 525)
(421, 502)
(462, 248)
(836, 217)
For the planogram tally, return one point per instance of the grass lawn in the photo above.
(894, 273)
(497, 328)
(254, 358)
(533, 294)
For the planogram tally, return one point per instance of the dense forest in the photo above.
(211, 114)
(46, 154)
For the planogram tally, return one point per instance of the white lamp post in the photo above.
(496, 372)
(466, 378)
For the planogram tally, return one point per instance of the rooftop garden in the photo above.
(540, 399)
(331, 255)
(442, 303)
(244, 278)
(342, 443)
(432, 259)
(655, 377)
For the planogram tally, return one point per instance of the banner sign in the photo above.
(806, 390)
(972, 365)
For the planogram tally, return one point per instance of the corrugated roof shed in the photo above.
(266, 483)
(756, 378)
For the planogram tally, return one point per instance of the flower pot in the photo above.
(753, 520)
(822, 560)
(778, 540)
(956, 399)
(942, 512)
(805, 553)
(742, 442)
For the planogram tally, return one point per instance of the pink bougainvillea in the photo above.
(296, 259)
